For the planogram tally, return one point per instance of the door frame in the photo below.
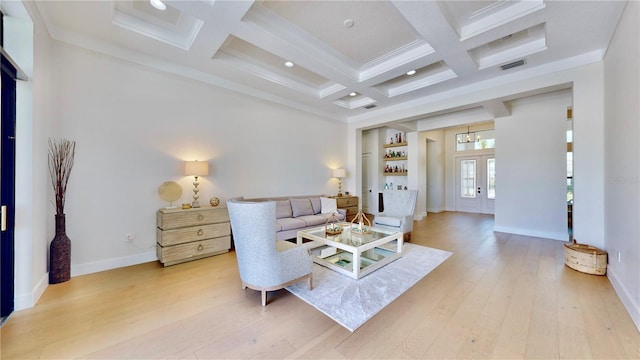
(482, 205)
(7, 185)
(367, 197)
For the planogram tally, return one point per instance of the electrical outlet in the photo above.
(131, 237)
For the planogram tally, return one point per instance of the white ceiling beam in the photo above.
(497, 108)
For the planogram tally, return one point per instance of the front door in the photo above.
(475, 184)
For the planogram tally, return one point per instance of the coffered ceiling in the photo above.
(347, 59)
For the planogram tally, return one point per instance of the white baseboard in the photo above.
(532, 233)
(435, 210)
(420, 216)
(28, 300)
(108, 264)
(633, 308)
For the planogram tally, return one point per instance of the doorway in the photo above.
(7, 185)
(368, 180)
(475, 183)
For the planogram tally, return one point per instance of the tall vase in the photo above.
(60, 253)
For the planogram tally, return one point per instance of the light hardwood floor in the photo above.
(497, 296)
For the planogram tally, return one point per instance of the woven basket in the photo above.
(585, 258)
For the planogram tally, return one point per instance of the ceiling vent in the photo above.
(370, 106)
(513, 64)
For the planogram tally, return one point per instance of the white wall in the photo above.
(588, 157)
(41, 235)
(622, 160)
(531, 167)
(134, 127)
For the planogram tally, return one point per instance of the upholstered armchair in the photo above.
(399, 206)
(265, 264)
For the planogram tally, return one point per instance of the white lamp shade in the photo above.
(339, 173)
(196, 168)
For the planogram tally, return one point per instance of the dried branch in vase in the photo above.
(61, 154)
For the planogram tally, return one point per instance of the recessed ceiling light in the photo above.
(158, 4)
(289, 64)
(348, 23)
(411, 72)
(353, 94)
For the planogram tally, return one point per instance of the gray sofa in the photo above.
(295, 213)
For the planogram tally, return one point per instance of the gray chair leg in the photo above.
(264, 298)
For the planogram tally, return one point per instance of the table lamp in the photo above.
(196, 168)
(339, 173)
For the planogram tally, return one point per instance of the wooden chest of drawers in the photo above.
(185, 235)
(349, 203)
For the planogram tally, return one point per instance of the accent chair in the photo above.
(399, 206)
(265, 264)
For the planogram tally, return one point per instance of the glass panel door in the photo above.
(476, 184)
(467, 198)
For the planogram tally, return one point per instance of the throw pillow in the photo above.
(301, 207)
(283, 209)
(315, 204)
(328, 206)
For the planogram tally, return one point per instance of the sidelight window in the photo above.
(491, 179)
(468, 178)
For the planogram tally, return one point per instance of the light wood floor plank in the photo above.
(573, 341)
(482, 338)
(602, 333)
(498, 296)
(542, 340)
(511, 340)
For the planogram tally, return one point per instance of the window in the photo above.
(468, 179)
(491, 179)
(485, 140)
(570, 177)
(569, 161)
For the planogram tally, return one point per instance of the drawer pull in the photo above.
(200, 232)
(200, 247)
(200, 217)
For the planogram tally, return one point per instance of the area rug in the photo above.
(352, 302)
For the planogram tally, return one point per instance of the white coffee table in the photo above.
(372, 250)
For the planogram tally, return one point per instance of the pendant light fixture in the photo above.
(467, 137)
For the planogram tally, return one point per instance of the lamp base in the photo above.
(195, 203)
